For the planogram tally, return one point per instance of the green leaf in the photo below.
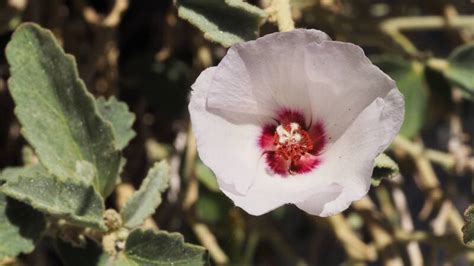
(440, 102)
(59, 117)
(161, 248)
(460, 69)
(10, 173)
(411, 83)
(20, 227)
(212, 208)
(206, 176)
(468, 228)
(144, 202)
(73, 200)
(90, 255)
(118, 115)
(224, 21)
(385, 167)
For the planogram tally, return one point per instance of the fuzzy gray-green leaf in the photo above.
(468, 228)
(58, 115)
(120, 117)
(161, 248)
(20, 227)
(144, 202)
(384, 167)
(75, 201)
(224, 21)
(460, 69)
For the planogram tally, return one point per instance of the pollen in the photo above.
(291, 141)
(292, 147)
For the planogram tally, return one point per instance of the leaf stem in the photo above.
(438, 64)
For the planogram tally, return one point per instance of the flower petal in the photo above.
(260, 200)
(227, 142)
(348, 163)
(269, 192)
(343, 82)
(276, 163)
(315, 204)
(265, 75)
(305, 164)
(358, 104)
(351, 157)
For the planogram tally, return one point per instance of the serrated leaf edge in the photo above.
(262, 16)
(468, 212)
(79, 220)
(156, 167)
(175, 235)
(72, 60)
(123, 107)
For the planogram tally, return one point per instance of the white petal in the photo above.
(315, 203)
(352, 156)
(343, 82)
(226, 141)
(344, 174)
(265, 75)
(269, 192)
(360, 105)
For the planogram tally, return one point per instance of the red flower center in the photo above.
(291, 147)
(291, 142)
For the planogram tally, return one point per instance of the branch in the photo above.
(384, 241)
(394, 26)
(357, 250)
(414, 149)
(280, 10)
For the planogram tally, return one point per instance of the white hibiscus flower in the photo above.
(294, 117)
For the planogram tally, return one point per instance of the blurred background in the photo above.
(147, 56)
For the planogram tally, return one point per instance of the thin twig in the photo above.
(426, 23)
(429, 184)
(192, 190)
(427, 181)
(208, 240)
(413, 248)
(280, 10)
(394, 26)
(448, 242)
(355, 248)
(384, 241)
(175, 162)
(111, 20)
(443, 159)
(283, 247)
(202, 232)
